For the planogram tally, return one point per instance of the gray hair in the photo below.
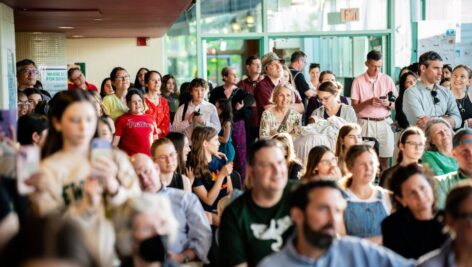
(429, 134)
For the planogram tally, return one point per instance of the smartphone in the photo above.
(27, 164)
(100, 148)
(383, 97)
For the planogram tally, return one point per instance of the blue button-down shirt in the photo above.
(418, 101)
(439, 257)
(194, 229)
(346, 251)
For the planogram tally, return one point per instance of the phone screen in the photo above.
(100, 148)
(27, 164)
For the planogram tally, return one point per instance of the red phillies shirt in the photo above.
(90, 86)
(136, 133)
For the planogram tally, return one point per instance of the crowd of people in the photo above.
(276, 169)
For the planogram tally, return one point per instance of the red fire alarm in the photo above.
(142, 41)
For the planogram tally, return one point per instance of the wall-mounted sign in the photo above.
(53, 78)
(349, 14)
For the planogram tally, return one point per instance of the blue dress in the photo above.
(227, 148)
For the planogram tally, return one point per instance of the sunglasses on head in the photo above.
(434, 94)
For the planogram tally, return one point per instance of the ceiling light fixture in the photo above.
(77, 36)
(66, 28)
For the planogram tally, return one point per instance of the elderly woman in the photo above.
(140, 225)
(280, 118)
(456, 251)
(413, 230)
(328, 96)
(439, 147)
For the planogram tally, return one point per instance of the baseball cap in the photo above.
(268, 58)
(463, 136)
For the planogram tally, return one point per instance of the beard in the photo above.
(318, 238)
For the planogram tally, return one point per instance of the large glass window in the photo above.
(231, 16)
(326, 15)
(181, 45)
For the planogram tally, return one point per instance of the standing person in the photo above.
(169, 92)
(212, 174)
(407, 81)
(316, 209)
(446, 72)
(257, 223)
(116, 103)
(456, 251)
(367, 204)
(165, 156)
(236, 96)
(460, 80)
(428, 100)
(106, 88)
(370, 95)
(225, 114)
(413, 229)
(66, 158)
(196, 112)
(157, 106)
(135, 131)
(27, 77)
(77, 80)
(314, 75)
(139, 82)
(297, 64)
(253, 68)
(411, 145)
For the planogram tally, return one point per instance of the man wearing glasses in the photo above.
(427, 99)
(26, 74)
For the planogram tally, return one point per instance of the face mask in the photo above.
(153, 249)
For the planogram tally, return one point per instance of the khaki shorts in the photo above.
(382, 131)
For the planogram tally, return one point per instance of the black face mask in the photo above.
(153, 249)
(318, 238)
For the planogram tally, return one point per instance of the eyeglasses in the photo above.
(329, 161)
(22, 104)
(76, 78)
(124, 78)
(435, 98)
(414, 144)
(29, 72)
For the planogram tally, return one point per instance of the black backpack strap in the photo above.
(185, 111)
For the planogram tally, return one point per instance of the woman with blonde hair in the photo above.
(348, 135)
(280, 118)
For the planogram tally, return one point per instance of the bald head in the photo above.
(147, 171)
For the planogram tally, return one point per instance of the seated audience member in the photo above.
(349, 135)
(328, 95)
(196, 112)
(294, 167)
(193, 234)
(456, 251)
(367, 204)
(34, 97)
(23, 104)
(411, 145)
(165, 156)
(66, 160)
(32, 129)
(105, 128)
(407, 81)
(169, 92)
(462, 152)
(49, 241)
(116, 103)
(135, 131)
(438, 155)
(182, 145)
(212, 174)
(316, 209)
(321, 164)
(413, 229)
(139, 81)
(446, 71)
(314, 103)
(280, 118)
(460, 81)
(427, 100)
(143, 225)
(106, 88)
(157, 106)
(257, 223)
(77, 80)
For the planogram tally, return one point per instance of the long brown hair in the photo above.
(340, 149)
(412, 130)
(314, 157)
(197, 158)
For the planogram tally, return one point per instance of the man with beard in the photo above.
(316, 209)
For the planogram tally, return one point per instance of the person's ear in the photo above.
(399, 199)
(297, 216)
(422, 68)
(35, 137)
(56, 124)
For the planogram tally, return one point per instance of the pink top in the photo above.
(363, 88)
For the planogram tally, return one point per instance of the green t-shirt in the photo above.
(440, 164)
(248, 232)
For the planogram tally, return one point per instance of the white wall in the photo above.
(101, 55)
(7, 58)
